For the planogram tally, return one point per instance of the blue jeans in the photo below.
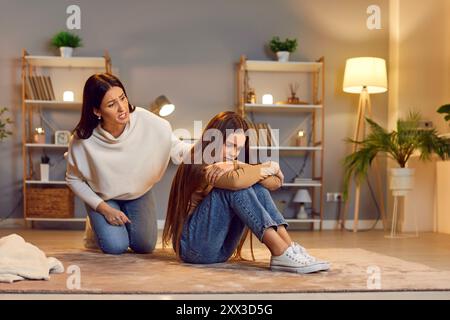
(140, 235)
(213, 231)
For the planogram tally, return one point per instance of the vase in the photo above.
(66, 52)
(283, 56)
(401, 181)
(45, 171)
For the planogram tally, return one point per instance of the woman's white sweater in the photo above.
(124, 168)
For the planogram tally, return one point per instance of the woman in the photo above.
(206, 219)
(116, 154)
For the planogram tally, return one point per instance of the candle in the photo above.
(39, 135)
(267, 99)
(300, 138)
(68, 96)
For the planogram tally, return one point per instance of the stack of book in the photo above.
(303, 180)
(39, 88)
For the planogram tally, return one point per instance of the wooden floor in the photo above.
(430, 249)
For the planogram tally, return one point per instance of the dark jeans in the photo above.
(140, 235)
(212, 232)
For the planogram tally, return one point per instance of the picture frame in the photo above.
(62, 137)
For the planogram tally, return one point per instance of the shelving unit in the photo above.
(30, 66)
(281, 107)
(39, 182)
(315, 72)
(46, 145)
(53, 104)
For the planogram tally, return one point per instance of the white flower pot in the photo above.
(66, 52)
(283, 56)
(45, 170)
(401, 181)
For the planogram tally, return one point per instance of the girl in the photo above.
(206, 219)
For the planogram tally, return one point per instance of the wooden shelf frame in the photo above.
(29, 64)
(315, 70)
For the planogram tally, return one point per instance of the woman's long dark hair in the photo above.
(189, 177)
(94, 90)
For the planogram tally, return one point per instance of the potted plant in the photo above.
(4, 132)
(398, 145)
(66, 42)
(283, 48)
(45, 168)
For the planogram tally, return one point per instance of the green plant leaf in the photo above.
(4, 132)
(444, 109)
(399, 145)
(276, 44)
(66, 39)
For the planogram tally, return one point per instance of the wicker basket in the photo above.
(50, 202)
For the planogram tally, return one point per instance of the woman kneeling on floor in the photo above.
(207, 218)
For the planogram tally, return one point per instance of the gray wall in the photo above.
(187, 50)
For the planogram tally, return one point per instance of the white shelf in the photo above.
(287, 148)
(47, 145)
(39, 182)
(59, 62)
(312, 183)
(270, 66)
(54, 103)
(302, 220)
(57, 219)
(282, 107)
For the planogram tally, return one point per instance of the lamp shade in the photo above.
(162, 106)
(302, 196)
(365, 72)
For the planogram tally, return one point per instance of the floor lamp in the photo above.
(365, 76)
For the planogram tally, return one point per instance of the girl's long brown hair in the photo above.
(189, 177)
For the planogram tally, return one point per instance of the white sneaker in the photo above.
(291, 261)
(301, 250)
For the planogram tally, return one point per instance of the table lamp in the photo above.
(302, 196)
(162, 106)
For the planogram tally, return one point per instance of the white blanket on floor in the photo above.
(20, 260)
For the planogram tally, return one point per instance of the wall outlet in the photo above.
(334, 196)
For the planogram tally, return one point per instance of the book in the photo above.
(46, 87)
(39, 89)
(252, 134)
(273, 137)
(50, 85)
(263, 140)
(303, 180)
(34, 88)
(43, 89)
(29, 94)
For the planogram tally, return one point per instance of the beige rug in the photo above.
(160, 273)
